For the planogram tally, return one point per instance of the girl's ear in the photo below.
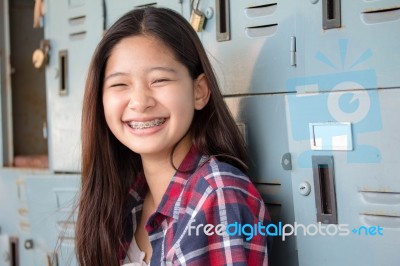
(201, 92)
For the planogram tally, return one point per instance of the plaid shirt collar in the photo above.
(192, 161)
(167, 208)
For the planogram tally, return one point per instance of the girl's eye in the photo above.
(160, 80)
(117, 85)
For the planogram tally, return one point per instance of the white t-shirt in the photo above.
(134, 256)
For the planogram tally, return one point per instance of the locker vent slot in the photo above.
(23, 211)
(383, 208)
(268, 191)
(24, 226)
(379, 197)
(65, 199)
(66, 214)
(381, 15)
(77, 35)
(77, 27)
(261, 31)
(67, 229)
(383, 11)
(386, 221)
(77, 20)
(256, 27)
(149, 4)
(262, 10)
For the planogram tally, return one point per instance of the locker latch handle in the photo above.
(331, 14)
(324, 183)
(223, 20)
(63, 68)
(14, 250)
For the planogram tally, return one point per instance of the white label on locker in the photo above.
(331, 136)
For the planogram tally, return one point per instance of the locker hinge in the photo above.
(286, 161)
(293, 51)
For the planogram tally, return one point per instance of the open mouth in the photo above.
(147, 124)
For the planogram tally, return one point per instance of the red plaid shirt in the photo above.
(203, 191)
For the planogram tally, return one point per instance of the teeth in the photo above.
(147, 124)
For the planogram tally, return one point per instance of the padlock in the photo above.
(197, 17)
(40, 56)
(197, 20)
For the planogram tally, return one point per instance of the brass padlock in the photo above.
(40, 57)
(197, 20)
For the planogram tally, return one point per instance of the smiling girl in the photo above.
(161, 153)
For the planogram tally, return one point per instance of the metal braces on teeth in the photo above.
(147, 124)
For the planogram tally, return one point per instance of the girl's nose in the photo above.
(141, 99)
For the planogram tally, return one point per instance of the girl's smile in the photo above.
(147, 124)
(142, 127)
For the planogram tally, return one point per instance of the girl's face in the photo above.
(149, 97)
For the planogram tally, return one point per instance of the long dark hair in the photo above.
(108, 167)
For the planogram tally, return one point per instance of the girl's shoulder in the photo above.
(217, 186)
(215, 175)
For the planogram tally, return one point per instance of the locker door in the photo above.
(250, 43)
(341, 134)
(367, 39)
(50, 200)
(14, 220)
(367, 188)
(262, 120)
(74, 28)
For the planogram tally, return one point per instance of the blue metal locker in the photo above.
(341, 123)
(73, 28)
(264, 121)
(15, 221)
(50, 201)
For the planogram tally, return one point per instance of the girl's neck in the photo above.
(159, 171)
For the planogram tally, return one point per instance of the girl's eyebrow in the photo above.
(158, 68)
(162, 68)
(115, 74)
